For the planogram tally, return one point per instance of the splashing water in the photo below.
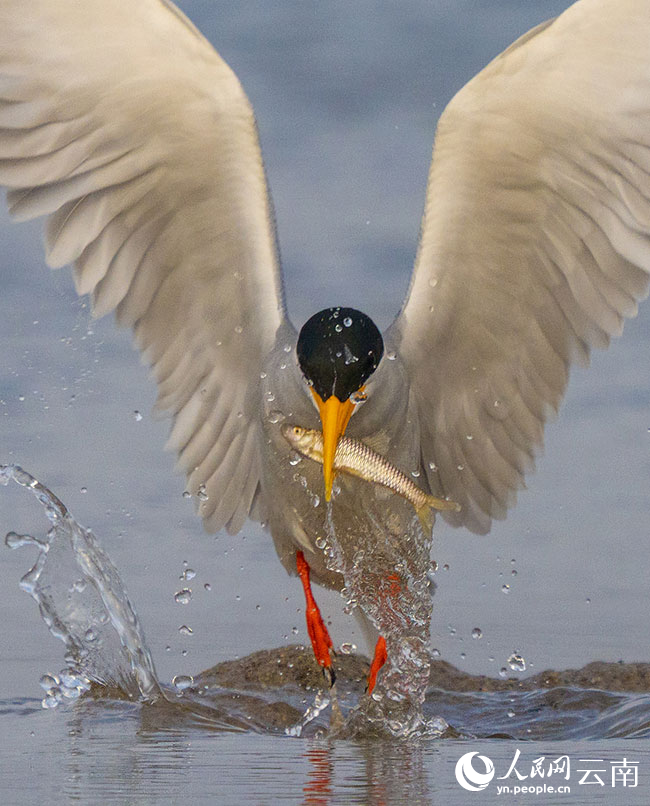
(320, 703)
(389, 581)
(83, 603)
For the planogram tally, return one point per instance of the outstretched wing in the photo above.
(120, 123)
(535, 245)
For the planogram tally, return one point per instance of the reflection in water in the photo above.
(318, 787)
(385, 772)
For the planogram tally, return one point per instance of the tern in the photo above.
(121, 124)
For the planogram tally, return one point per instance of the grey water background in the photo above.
(347, 96)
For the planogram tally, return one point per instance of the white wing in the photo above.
(121, 124)
(535, 245)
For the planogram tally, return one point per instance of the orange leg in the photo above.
(377, 662)
(320, 638)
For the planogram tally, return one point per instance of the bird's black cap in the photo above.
(338, 350)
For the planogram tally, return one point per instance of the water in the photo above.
(346, 96)
(83, 603)
(110, 684)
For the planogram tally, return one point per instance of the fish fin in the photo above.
(425, 516)
(379, 442)
(350, 471)
(442, 504)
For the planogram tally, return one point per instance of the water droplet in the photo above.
(137, 416)
(48, 681)
(511, 713)
(295, 630)
(350, 358)
(187, 494)
(588, 600)
(287, 348)
(294, 458)
(270, 397)
(52, 698)
(513, 573)
(79, 586)
(433, 282)
(207, 586)
(435, 652)
(469, 436)
(183, 596)
(347, 648)
(321, 542)
(239, 329)
(90, 635)
(460, 467)
(338, 328)
(477, 633)
(516, 662)
(188, 573)
(505, 589)
(182, 682)
(201, 493)
(358, 397)
(185, 630)
(503, 672)
(433, 467)
(83, 490)
(315, 500)
(347, 321)
(415, 474)
(391, 355)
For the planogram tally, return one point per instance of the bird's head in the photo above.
(338, 350)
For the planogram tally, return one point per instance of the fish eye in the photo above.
(296, 430)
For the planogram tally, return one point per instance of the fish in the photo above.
(355, 458)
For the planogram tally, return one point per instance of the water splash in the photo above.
(83, 603)
(320, 703)
(389, 580)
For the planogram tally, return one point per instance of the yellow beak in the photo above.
(334, 417)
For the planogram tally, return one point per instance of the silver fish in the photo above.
(357, 459)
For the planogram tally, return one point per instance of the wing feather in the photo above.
(120, 123)
(535, 245)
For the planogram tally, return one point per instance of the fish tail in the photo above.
(425, 516)
(442, 503)
(431, 502)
